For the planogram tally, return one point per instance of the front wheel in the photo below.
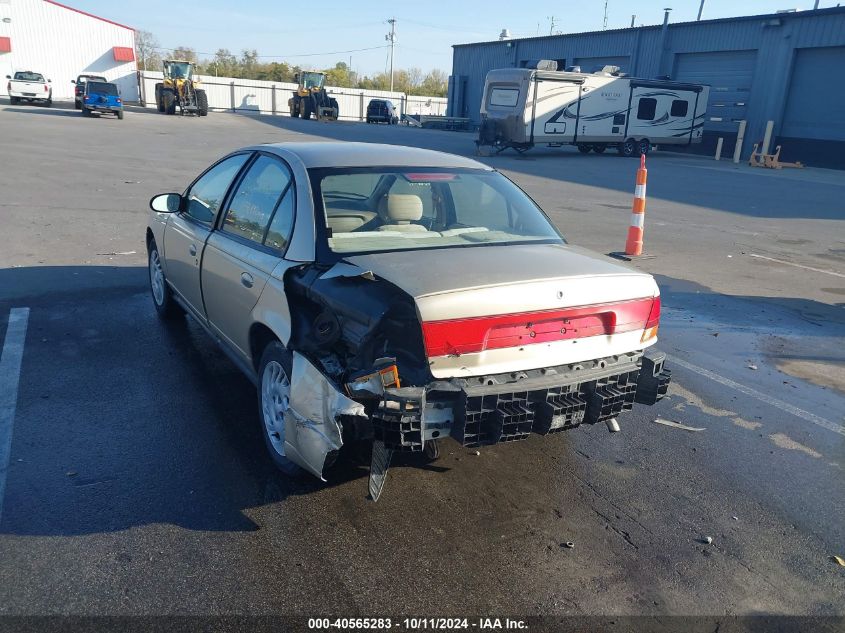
(202, 103)
(273, 402)
(165, 305)
(628, 148)
(120, 114)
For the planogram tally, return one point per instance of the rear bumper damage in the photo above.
(505, 408)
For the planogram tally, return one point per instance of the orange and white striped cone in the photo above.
(634, 243)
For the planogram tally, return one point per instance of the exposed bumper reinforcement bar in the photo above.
(493, 410)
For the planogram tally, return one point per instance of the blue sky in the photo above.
(302, 32)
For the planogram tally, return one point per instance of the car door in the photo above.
(245, 248)
(188, 230)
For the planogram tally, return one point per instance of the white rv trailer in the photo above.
(524, 107)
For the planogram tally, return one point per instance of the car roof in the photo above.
(343, 154)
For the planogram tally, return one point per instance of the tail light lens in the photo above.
(45, 87)
(653, 321)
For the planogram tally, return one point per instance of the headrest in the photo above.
(403, 207)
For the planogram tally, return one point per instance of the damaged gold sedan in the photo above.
(396, 297)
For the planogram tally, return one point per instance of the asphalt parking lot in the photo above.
(137, 480)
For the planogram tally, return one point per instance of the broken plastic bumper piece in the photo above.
(481, 414)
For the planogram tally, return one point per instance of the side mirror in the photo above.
(49, 81)
(166, 203)
(73, 81)
(8, 76)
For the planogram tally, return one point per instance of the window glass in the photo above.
(206, 196)
(679, 108)
(255, 199)
(27, 76)
(506, 97)
(407, 209)
(646, 109)
(279, 232)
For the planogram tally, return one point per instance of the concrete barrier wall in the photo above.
(271, 97)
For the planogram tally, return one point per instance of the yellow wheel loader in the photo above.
(311, 97)
(180, 89)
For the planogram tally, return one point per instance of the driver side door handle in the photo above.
(247, 280)
(192, 249)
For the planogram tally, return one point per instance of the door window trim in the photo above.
(183, 213)
(218, 223)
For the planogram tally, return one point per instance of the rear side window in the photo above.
(505, 97)
(646, 109)
(206, 195)
(256, 198)
(280, 226)
(679, 108)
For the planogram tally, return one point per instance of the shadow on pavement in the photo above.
(678, 178)
(123, 420)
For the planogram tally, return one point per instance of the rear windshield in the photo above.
(83, 78)
(369, 210)
(102, 88)
(24, 76)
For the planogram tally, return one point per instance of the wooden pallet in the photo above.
(770, 161)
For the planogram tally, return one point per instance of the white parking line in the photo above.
(762, 397)
(10, 373)
(783, 261)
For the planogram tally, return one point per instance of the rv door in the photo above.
(604, 110)
(553, 110)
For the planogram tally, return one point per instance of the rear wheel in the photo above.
(120, 114)
(49, 102)
(86, 111)
(159, 101)
(14, 100)
(202, 103)
(643, 147)
(305, 108)
(628, 148)
(77, 105)
(273, 401)
(599, 149)
(584, 148)
(168, 100)
(165, 305)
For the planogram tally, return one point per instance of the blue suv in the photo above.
(101, 96)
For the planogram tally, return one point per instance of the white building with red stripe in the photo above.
(61, 42)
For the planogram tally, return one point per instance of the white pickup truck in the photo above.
(29, 86)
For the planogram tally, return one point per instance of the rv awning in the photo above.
(123, 54)
(5, 44)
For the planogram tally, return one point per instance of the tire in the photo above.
(77, 105)
(599, 149)
(643, 147)
(162, 295)
(120, 115)
(628, 148)
(274, 372)
(86, 111)
(49, 102)
(14, 100)
(202, 103)
(584, 149)
(305, 108)
(168, 100)
(159, 101)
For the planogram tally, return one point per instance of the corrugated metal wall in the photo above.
(767, 47)
(61, 43)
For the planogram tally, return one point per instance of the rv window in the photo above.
(646, 109)
(679, 108)
(504, 97)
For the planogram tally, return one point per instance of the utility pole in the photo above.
(551, 25)
(604, 24)
(391, 37)
(701, 10)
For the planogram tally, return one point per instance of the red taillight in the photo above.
(654, 315)
(651, 325)
(45, 87)
(467, 336)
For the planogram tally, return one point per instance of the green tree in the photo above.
(185, 53)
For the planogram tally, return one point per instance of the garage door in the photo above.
(814, 105)
(729, 75)
(593, 64)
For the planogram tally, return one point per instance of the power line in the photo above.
(354, 50)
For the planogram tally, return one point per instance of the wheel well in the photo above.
(259, 337)
(150, 238)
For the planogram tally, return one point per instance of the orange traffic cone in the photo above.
(634, 243)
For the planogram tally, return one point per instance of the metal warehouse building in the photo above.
(60, 43)
(784, 67)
